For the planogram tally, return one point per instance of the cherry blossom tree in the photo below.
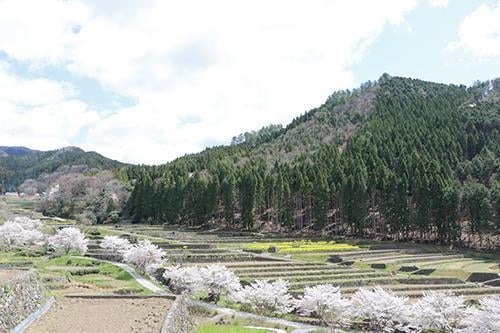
(485, 319)
(21, 231)
(384, 310)
(10, 233)
(146, 256)
(265, 297)
(186, 278)
(218, 280)
(115, 244)
(440, 311)
(28, 223)
(215, 280)
(69, 239)
(325, 302)
(31, 237)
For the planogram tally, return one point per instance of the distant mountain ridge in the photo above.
(15, 151)
(18, 164)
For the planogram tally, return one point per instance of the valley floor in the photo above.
(407, 269)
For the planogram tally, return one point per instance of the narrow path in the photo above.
(267, 320)
(139, 278)
(301, 328)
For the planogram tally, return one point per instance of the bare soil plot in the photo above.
(103, 315)
(6, 275)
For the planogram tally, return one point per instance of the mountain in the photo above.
(15, 151)
(19, 163)
(398, 158)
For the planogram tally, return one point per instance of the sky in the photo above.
(151, 80)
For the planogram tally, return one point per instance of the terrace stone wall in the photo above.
(19, 297)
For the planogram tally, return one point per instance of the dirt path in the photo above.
(70, 315)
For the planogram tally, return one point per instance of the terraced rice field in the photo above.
(432, 270)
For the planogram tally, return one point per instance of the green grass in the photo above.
(311, 257)
(22, 203)
(108, 276)
(210, 328)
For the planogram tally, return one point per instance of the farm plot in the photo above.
(301, 275)
(101, 315)
(253, 257)
(62, 273)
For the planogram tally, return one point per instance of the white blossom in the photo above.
(186, 278)
(215, 280)
(145, 256)
(441, 311)
(485, 319)
(115, 244)
(218, 280)
(28, 223)
(325, 302)
(31, 236)
(10, 232)
(21, 231)
(266, 297)
(384, 310)
(69, 239)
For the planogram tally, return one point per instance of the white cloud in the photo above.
(479, 33)
(439, 3)
(39, 113)
(232, 65)
(39, 31)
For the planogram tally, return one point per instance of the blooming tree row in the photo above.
(380, 309)
(24, 231)
(20, 232)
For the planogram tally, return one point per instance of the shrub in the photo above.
(85, 271)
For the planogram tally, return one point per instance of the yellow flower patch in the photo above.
(302, 246)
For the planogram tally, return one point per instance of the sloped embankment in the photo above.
(21, 293)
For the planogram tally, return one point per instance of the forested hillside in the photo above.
(18, 163)
(398, 158)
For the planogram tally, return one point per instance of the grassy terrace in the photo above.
(74, 272)
(306, 262)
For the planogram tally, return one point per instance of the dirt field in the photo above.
(7, 275)
(69, 315)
